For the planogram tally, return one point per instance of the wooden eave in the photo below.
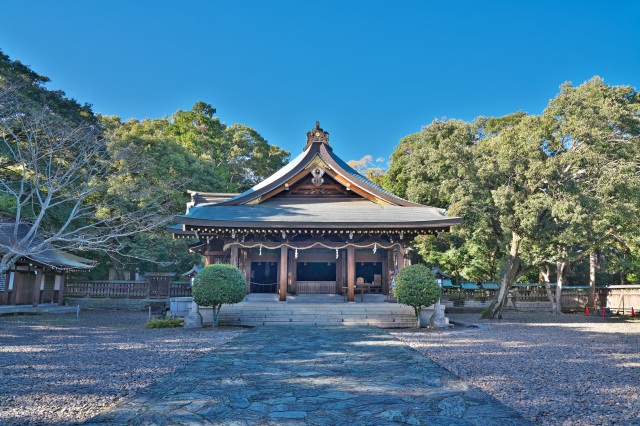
(198, 225)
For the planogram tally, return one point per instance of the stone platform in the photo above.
(315, 310)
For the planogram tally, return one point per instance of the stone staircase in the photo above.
(316, 311)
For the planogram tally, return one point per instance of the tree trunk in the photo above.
(511, 269)
(592, 280)
(216, 312)
(562, 269)
(545, 273)
(417, 311)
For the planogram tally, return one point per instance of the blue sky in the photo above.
(370, 71)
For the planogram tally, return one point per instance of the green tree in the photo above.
(218, 284)
(594, 141)
(532, 190)
(189, 150)
(416, 287)
(426, 167)
(437, 167)
(56, 166)
(250, 158)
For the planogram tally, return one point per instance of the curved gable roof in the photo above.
(45, 255)
(316, 152)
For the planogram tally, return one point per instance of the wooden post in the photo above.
(351, 273)
(385, 271)
(291, 273)
(61, 289)
(148, 281)
(208, 259)
(339, 275)
(400, 258)
(36, 287)
(5, 299)
(234, 255)
(283, 273)
(246, 269)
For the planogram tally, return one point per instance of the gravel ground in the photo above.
(56, 369)
(554, 370)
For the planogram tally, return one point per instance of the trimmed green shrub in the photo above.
(218, 284)
(416, 286)
(165, 323)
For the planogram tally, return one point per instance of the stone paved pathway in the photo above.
(312, 376)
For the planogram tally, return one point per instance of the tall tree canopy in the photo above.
(55, 172)
(89, 182)
(533, 191)
(197, 151)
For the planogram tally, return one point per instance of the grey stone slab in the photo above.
(315, 376)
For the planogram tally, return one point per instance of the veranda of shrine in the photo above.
(316, 226)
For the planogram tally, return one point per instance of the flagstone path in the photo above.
(311, 376)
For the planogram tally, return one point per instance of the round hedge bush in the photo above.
(416, 286)
(218, 284)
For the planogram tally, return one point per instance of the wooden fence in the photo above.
(619, 299)
(128, 289)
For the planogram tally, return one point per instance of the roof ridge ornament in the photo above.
(317, 135)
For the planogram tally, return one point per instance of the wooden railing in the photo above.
(127, 289)
(316, 287)
(180, 289)
(617, 298)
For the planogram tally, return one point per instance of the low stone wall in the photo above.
(466, 306)
(180, 306)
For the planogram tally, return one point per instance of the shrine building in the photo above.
(316, 226)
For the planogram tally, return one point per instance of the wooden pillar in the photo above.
(63, 279)
(208, 258)
(385, 271)
(291, 272)
(5, 299)
(283, 273)
(36, 287)
(400, 259)
(246, 267)
(339, 280)
(234, 255)
(351, 273)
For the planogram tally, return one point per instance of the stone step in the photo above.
(323, 311)
(385, 315)
(381, 324)
(294, 318)
(302, 318)
(311, 315)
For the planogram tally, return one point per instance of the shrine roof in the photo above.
(307, 213)
(316, 189)
(317, 153)
(294, 164)
(46, 255)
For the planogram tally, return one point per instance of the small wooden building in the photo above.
(316, 226)
(38, 277)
